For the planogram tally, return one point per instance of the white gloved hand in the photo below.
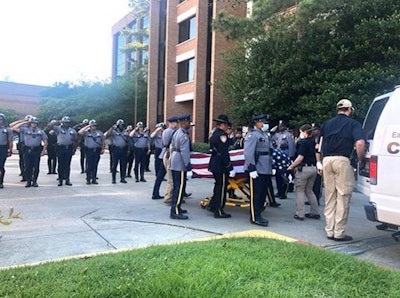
(273, 172)
(189, 174)
(254, 174)
(319, 165)
(232, 173)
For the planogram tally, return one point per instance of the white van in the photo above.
(380, 178)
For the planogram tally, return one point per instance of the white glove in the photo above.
(254, 174)
(189, 174)
(273, 172)
(319, 165)
(232, 173)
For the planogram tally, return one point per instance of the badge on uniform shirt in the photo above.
(223, 138)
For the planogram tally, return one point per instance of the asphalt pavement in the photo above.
(68, 221)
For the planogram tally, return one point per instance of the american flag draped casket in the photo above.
(199, 161)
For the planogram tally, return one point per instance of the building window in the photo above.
(187, 29)
(186, 71)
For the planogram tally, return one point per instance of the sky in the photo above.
(49, 41)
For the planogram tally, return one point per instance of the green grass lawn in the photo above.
(233, 267)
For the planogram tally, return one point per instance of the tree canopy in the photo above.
(298, 63)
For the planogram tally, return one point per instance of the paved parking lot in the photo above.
(82, 219)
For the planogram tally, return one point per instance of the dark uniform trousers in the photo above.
(64, 155)
(52, 158)
(130, 159)
(258, 194)
(93, 158)
(219, 196)
(32, 162)
(157, 162)
(21, 149)
(179, 181)
(119, 155)
(159, 179)
(3, 157)
(140, 162)
(83, 162)
(282, 187)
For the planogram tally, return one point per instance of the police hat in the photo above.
(2, 117)
(66, 119)
(222, 119)
(139, 124)
(283, 123)
(185, 117)
(260, 117)
(92, 122)
(85, 121)
(172, 119)
(34, 120)
(120, 122)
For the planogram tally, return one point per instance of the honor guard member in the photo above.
(339, 136)
(220, 165)
(120, 139)
(142, 149)
(164, 167)
(6, 145)
(83, 162)
(21, 143)
(51, 147)
(67, 138)
(258, 164)
(179, 164)
(131, 153)
(94, 141)
(284, 141)
(156, 136)
(33, 137)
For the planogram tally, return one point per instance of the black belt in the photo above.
(3, 146)
(32, 148)
(308, 165)
(336, 154)
(262, 153)
(65, 146)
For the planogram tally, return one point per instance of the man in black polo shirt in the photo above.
(339, 136)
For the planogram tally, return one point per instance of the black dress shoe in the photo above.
(123, 181)
(88, 182)
(261, 222)
(219, 214)
(137, 180)
(113, 182)
(34, 184)
(284, 197)
(60, 183)
(186, 195)
(345, 238)
(68, 183)
(182, 211)
(313, 216)
(23, 180)
(157, 197)
(330, 237)
(95, 182)
(143, 180)
(1, 185)
(129, 176)
(28, 184)
(298, 217)
(274, 204)
(178, 216)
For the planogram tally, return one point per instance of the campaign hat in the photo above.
(222, 119)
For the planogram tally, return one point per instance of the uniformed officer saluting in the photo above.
(66, 145)
(220, 165)
(6, 145)
(33, 149)
(94, 141)
(258, 164)
(142, 149)
(119, 138)
(179, 165)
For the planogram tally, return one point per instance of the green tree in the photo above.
(299, 64)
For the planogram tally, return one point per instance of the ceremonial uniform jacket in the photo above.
(257, 152)
(220, 161)
(180, 151)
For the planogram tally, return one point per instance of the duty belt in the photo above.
(262, 153)
(65, 146)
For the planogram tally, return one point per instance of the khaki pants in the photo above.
(170, 184)
(304, 189)
(339, 183)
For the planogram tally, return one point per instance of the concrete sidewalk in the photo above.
(66, 221)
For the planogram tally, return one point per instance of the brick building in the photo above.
(22, 98)
(184, 61)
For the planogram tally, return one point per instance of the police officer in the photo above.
(6, 145)
(33, 149)
(258, 164)
(131, 153)
(179, 164)
(66, 145)
(51, 147)
(284, 141)
(339, 136)
(83, 162)
(94, 141)
(142, 149)
(21, 143)
(120, 139)
(220, 165)
(156, 137)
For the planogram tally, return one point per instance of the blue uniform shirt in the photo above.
(257, 152)
(180, 155)
(65, 136)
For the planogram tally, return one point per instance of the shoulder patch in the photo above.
(223, 138)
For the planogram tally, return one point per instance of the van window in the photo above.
(373, 116)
